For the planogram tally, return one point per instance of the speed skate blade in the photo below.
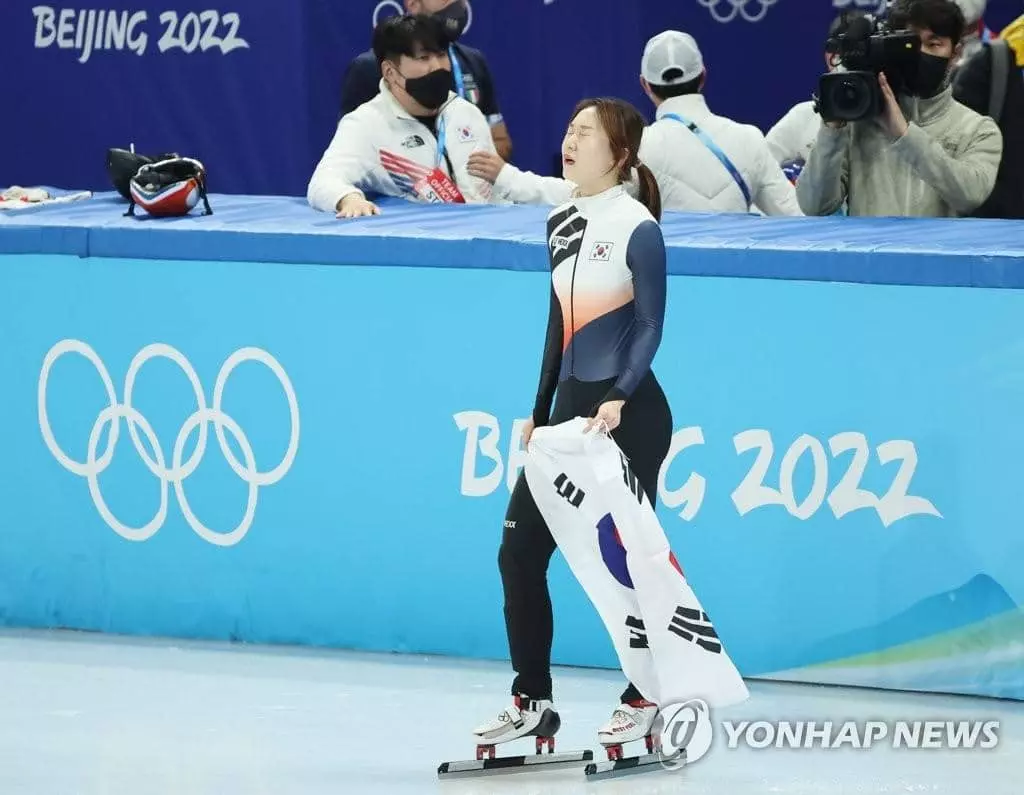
(513, 764)
(630, 765)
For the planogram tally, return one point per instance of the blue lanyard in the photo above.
(717, 152)
(441, 136)
(460, 84)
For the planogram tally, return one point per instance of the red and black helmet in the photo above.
(169, 187)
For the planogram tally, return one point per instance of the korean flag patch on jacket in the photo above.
(601, 252)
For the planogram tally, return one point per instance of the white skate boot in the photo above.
(636, 720)
(524, 718)
(629, 722)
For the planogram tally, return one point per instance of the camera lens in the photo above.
(848, 94)
(851, 98)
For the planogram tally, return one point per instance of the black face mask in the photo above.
(431, 90)
(454, 18)
(931, 76)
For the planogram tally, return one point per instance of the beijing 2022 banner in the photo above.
(253, 88)
(323, 455)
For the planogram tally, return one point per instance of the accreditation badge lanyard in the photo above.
(460, 83)
(438, 186)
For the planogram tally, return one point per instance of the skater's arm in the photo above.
(550, 365)
(645, 256)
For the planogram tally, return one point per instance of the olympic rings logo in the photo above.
(179, 470)
(734, 8)
(396, 7)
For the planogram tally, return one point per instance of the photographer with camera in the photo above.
(893, 140)
(792, 137)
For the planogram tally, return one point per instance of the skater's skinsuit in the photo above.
(607, 260)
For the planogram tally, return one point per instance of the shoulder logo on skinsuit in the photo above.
(466, 134)
(601, 252)
(413, 141)
(566, 230)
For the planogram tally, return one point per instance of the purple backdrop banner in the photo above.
(253, 87)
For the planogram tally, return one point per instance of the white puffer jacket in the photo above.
(381, 148)
(692, 178)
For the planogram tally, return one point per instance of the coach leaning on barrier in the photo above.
(413, 139)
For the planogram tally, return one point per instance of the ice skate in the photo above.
(524, 718)
(629, 723)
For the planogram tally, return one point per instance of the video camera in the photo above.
(865, 49)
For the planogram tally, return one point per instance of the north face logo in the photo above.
(559, 242)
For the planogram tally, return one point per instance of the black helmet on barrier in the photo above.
(123, 164)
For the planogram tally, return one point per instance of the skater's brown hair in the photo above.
(624, 126)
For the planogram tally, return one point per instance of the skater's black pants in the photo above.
(644, 435)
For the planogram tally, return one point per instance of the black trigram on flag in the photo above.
(695, 626)
(566, 488)
(630, 479)
(637, 633)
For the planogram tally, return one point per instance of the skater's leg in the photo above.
(645, 434)
(526, 549)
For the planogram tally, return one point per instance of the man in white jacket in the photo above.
(703, 162)
(413, 139)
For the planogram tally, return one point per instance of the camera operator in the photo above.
(923, 154)
(792, 137)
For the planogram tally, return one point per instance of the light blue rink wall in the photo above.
(843, 491)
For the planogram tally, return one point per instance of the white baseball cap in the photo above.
(671, 58)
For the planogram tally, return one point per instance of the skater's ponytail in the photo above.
(650, 194)
(624, 127)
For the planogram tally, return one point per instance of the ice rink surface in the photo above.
(87, 714)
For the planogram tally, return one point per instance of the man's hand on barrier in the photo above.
(892, 119)
(485, 165)
(355, 205)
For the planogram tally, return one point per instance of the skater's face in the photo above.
(586, 151)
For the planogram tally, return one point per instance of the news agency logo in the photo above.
(896, 734)
(686, 734)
